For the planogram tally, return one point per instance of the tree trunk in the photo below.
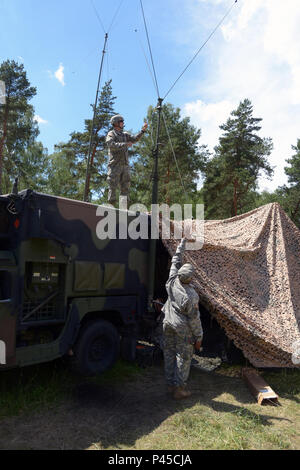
(2, 142)
(235, 198)
(89, 173)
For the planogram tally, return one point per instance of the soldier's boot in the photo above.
(171, 388)
(181, 392)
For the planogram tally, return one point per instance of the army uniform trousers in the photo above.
(178, 353)
(118, 174)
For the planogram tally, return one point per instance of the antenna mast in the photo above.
(152, 251)
(88, 165)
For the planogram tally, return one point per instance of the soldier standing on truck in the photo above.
(182, 326)
(118, 143)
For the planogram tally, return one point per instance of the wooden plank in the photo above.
(259, 388)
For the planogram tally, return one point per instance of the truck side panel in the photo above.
(63, 273)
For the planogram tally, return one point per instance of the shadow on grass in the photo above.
(114, 410)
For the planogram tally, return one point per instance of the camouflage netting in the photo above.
(248, 277)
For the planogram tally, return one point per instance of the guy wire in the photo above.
(172, 148)
(115, 15)
(199, 50)
(98, 16)
(147, 62)
(149, 45)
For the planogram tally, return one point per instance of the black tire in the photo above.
(128, 348)
(97, 348)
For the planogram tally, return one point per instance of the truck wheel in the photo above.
(97, 348)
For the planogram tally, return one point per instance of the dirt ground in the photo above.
(116, 416)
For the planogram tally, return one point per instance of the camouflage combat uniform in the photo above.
(182, 324)
(118, 168)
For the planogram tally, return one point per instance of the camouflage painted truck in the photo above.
(64, 291)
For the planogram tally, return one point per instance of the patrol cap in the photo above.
(186, 272)
(115, 119)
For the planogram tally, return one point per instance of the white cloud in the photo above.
(40, 120)
(211, 116)
(256, 57)
(59, 74)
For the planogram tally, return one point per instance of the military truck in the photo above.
(64, 291)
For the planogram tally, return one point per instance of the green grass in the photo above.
(200, 428)
(121, 371)
(44, 385)
(225, 416)
(286, 382)
(249, 426)
(30, 388)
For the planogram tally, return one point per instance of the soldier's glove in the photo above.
(181, 246)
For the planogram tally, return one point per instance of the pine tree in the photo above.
(18, 128)
(232, 174)
(69, 161)
(290, 195)
(33, 168)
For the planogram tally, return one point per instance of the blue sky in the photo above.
(254, 55)
(52, 35)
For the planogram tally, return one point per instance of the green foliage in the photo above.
(33, 167)
(261, 199)
(176, 185)
(288, 196)
(66, 175)
(231, 175)
(293, 171)
(291, 193)
(18, 129)
(69, 161)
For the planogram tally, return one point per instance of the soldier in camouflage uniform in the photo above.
(118, 143)
(182, 325)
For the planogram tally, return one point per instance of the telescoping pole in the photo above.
(87, 176)
(152, 249)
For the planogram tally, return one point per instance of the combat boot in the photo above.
(171, 388)
(181, 392)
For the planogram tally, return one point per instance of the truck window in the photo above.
(43, 292)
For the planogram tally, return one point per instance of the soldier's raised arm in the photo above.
(177, 258)
(136, 137)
